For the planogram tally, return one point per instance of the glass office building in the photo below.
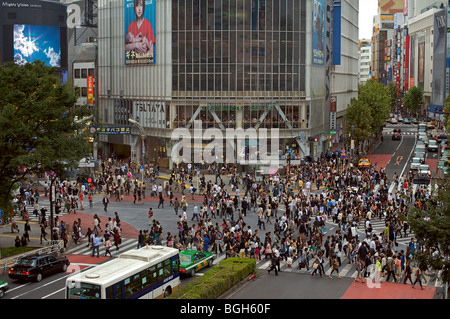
(227, 63)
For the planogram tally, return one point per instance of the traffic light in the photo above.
(313, 139)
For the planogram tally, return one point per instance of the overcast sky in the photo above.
(367, 9)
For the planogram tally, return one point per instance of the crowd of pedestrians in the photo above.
(294, 207)
(290, 210)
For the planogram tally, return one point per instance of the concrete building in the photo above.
(229, 64)
(365, 61)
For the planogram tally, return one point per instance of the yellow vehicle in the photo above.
(364, 162)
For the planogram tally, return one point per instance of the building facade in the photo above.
(222, 64)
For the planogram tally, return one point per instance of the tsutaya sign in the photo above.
(150, 113)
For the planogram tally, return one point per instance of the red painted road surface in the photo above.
(380, 160)
(388, 290)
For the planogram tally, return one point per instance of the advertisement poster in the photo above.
(421, 67)
(90, 88)
(318, 33)
(37, 42)
(140, 43)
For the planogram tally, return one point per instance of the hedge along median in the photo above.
(217, 280)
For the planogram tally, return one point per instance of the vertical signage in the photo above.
(406, 64)
(333, 109)
(90, 90)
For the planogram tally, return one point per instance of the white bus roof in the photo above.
(122, 267)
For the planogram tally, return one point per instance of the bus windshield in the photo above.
(83, 291)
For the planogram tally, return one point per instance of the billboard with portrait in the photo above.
(37, 42)
(318, 34)
(140, 41)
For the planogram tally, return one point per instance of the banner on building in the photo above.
(90, 88)
(140, 43)
(439, 58)
(116, 130)
(318, 34)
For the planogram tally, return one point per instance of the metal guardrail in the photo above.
(53, 246)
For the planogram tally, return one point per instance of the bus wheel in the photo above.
(192, 273)
(167, 292)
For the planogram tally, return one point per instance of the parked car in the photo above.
(406, 121)
(194, 260)
(420, 148)
(415, 121)
(433, 146)
(424, 170)
(415, 163)
(38, 267)
(3, 288)
(421, 156)
(393, 120)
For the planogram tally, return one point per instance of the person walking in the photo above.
(359, 268)
(335, 267)
(14, 225)
(105, 203)
(408, 273)
(91, 199)
(273, 264)
(418, 275)
(108, 246)
(95, 245)
(43, 233)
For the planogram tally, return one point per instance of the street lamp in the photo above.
(143, 135)
(352, 141)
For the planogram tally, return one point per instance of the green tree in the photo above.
(431, 227)
(40, 127)
(447, 113)
(414, 99)
(393, 94)
(376, 97)
(358, 116)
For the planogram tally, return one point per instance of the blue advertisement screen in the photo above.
(140, 41)
(37, 42)
(318, 34)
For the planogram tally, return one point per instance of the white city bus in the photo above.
(149, 272)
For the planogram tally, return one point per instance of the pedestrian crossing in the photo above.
(346, 270)
(82, 247)
(390, 131)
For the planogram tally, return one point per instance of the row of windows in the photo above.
(238, 47)
(239, 77)
(257, 15)
(83, 73)
(143, 280)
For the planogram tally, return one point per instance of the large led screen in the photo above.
(140, 32)
(37, 42)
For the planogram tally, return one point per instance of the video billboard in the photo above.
(37, 42)
(318, 34)
(140, 42)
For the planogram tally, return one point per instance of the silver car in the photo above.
(415, 163)
(433, 146)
